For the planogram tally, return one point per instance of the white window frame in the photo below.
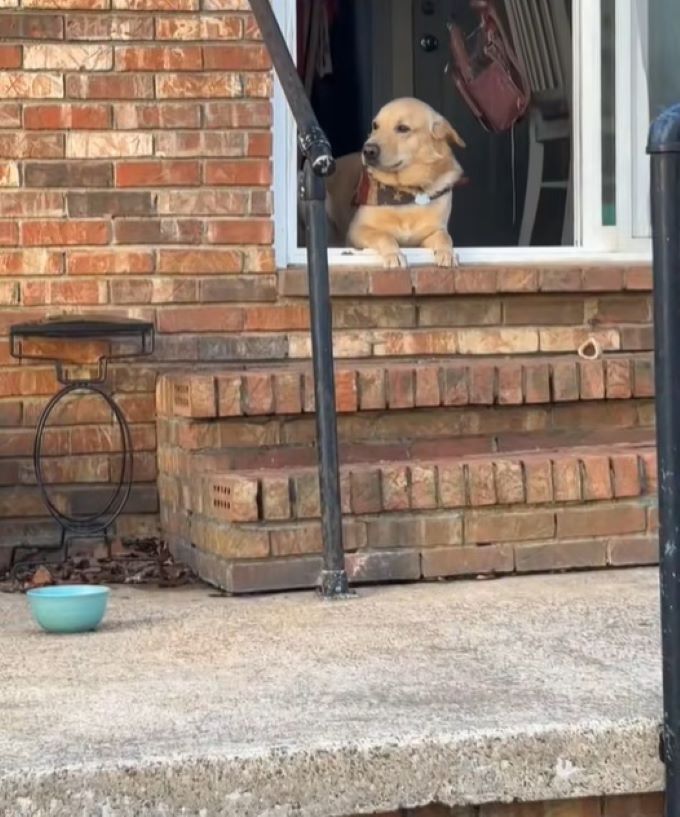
(593, 242)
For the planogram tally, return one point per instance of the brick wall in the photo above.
(627, 805)
(134, 165)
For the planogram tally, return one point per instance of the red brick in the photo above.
(276, 318)
(481, 486)
(565, 381)
(109, 86)
(467, 561)
(481, 380)
(433, 281)
(512, 279)
(10, 56)
(241, 231)
(618, 379)
(510, 384)
(400, 391)
(634, 805)
(9, 234)
(157, 174)
(307, 496)
(643, 378)
(539, 483)
(31, 145)
(626, 475)
(238, 114)
(275, 498)
(387, 566)
(427, 386)
(365, 491)
(287, 393)
(560, 280)
(476, 280)
(199, 261)
(638, 278)
(489, 527)
(199, 85)
(649, 469)
(566, 479)
(158, 115)
(607, 279)
(201, 319)
(592, 379)
(10, 115)
(228, 396)
(423, 487)
(236, 58)
(258, 394)
(600, 521)
(372, 389)
(633, 551)
(26, 26)
(597, 483)
(50, 233)
(451, 481)
(346, 393)
(158, 58)
(67, 117)
(260, 144)
(537, 383)
(455, 386)
(560, 556)
(509, 482)
(118, 262)
(395, 487)
(391, 282)
(245, 172)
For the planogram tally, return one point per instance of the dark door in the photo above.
(483, 212)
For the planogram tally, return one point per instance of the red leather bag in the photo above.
(487, 72)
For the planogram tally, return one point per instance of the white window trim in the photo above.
(594, 243)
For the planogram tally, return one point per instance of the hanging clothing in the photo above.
(314, 21)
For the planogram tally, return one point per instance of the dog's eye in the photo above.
(374, 126)
(402, 129)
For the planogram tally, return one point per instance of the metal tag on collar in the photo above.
(422, 199)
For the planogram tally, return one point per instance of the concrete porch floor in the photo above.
(186, 703)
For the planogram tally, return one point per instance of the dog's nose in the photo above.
(371, 153)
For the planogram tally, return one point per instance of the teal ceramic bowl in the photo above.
(75, 608)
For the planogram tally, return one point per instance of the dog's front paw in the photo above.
(394, 259)
(445, 258)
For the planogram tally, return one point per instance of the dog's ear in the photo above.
(441, 129)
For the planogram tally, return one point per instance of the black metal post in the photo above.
(319, 163)
(313, 196)
(664, 147)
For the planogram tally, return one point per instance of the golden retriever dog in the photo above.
(402, 183)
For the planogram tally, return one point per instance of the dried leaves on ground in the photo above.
(148, 562)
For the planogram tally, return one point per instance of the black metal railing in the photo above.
(318, 163)
(664, 147)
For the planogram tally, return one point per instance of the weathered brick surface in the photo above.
(626, 805)
(421, 384)
(127, 128)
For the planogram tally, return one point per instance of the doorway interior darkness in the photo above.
(369, 51)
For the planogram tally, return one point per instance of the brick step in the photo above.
(472, 280)
(564, 508)
(424, 478)
(288, 388)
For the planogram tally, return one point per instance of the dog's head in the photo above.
(408, 140)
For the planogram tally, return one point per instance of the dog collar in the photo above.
(373, 193)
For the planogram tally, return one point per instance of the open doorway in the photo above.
(355, 55)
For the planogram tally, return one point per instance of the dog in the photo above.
(402, 184)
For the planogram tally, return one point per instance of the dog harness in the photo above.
(373, 193)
